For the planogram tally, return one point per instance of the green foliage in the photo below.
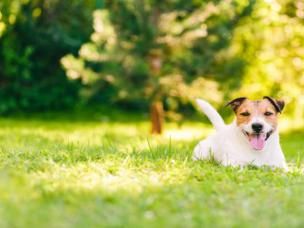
(157, 51)
(36, 35)
(145, 50)
(177, 50)
(88, 173)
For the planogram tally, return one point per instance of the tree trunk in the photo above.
(157, 115)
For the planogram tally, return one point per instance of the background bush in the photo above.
(213, 49)
(36, 35)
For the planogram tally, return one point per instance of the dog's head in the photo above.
(257, 119)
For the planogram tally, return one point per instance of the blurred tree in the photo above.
(150, 53)
(34, 35)
(157, 51)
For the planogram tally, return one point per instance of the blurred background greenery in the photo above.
(136, 54)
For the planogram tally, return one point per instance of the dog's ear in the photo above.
(235, 103)
(278, 104)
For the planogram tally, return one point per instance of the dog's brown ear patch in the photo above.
(235, 103)
(278, 104)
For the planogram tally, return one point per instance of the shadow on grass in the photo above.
(85, 115)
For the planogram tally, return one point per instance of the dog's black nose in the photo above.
(257, 127)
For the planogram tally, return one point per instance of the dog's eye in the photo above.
(268, 113)
(245, 114)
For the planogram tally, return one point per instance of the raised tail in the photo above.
(211, 113)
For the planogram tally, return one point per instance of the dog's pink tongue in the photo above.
(257, 141)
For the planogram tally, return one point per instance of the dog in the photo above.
(251, 139)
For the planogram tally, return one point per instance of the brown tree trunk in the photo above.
(157, 115)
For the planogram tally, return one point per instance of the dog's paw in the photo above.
(201, 151)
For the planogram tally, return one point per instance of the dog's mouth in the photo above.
(257, 140)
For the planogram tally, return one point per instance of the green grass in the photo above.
(77, 173)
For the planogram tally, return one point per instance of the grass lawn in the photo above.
(69, 172)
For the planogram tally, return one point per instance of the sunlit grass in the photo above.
(75, 173)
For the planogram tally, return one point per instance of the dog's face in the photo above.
(257, 119)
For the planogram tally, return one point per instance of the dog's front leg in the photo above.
(202, 151)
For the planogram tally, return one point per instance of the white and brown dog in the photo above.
(252, 139)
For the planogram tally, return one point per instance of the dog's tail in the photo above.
(211, 113)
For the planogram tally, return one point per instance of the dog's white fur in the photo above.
(229, 146)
